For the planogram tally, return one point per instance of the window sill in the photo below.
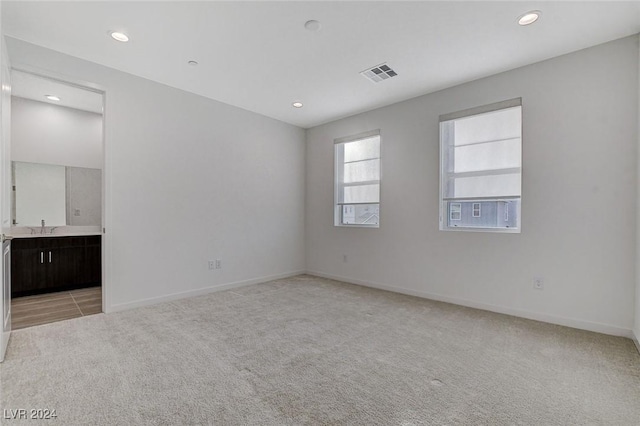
(355, 225)
(480, 229)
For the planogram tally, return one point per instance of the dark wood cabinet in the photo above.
(48, 264)
(27, 272)
(92, 267)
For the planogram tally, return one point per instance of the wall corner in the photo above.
(636, 322)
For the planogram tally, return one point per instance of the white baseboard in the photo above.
(198, 292)
(537, 316)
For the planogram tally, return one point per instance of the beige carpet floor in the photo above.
(307, 350)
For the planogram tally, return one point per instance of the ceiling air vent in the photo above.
(379, 73)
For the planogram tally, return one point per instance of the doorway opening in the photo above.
(57, 200)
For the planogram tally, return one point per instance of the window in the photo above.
(481, 168)
(455, 211)
(357, 180)
(476, 209)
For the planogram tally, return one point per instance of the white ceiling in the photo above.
(29, 86)
(258, 55)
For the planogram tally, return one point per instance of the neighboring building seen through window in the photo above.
(481, 168)
(495, 214)
(357, 180)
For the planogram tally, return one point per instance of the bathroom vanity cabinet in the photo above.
(48, 264)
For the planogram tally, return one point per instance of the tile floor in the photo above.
(45, 308)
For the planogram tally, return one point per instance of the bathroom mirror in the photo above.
(59, 195)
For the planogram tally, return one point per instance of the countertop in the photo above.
(66, 234)
(58, 231)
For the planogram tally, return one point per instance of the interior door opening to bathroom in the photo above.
(57, 200)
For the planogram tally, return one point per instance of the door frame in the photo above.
(5, 201)
(106, 174)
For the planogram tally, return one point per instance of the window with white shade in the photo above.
(481, 168)
(357, 180)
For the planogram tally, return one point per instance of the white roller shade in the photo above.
(358, 170)
(482, 155)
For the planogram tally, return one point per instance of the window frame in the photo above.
(444, 201)
(338, 164)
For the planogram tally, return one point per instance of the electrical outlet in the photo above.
(538, 283)
(218, 264)
(212, 264)
(344, 258)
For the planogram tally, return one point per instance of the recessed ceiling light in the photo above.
(313, 25)
(193, 63)
(297, 104)
(52, 98)
(118, 36)
(529, 17)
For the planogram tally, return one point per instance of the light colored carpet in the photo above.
(308, 350)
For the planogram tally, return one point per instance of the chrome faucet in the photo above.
(42, 227)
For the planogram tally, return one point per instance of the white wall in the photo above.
(580, 143)
(636, 328)
(188, 179)
(52, 134)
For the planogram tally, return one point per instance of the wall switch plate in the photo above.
(218, 264)
(212, 264)
(538, 283)
(344, 258)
